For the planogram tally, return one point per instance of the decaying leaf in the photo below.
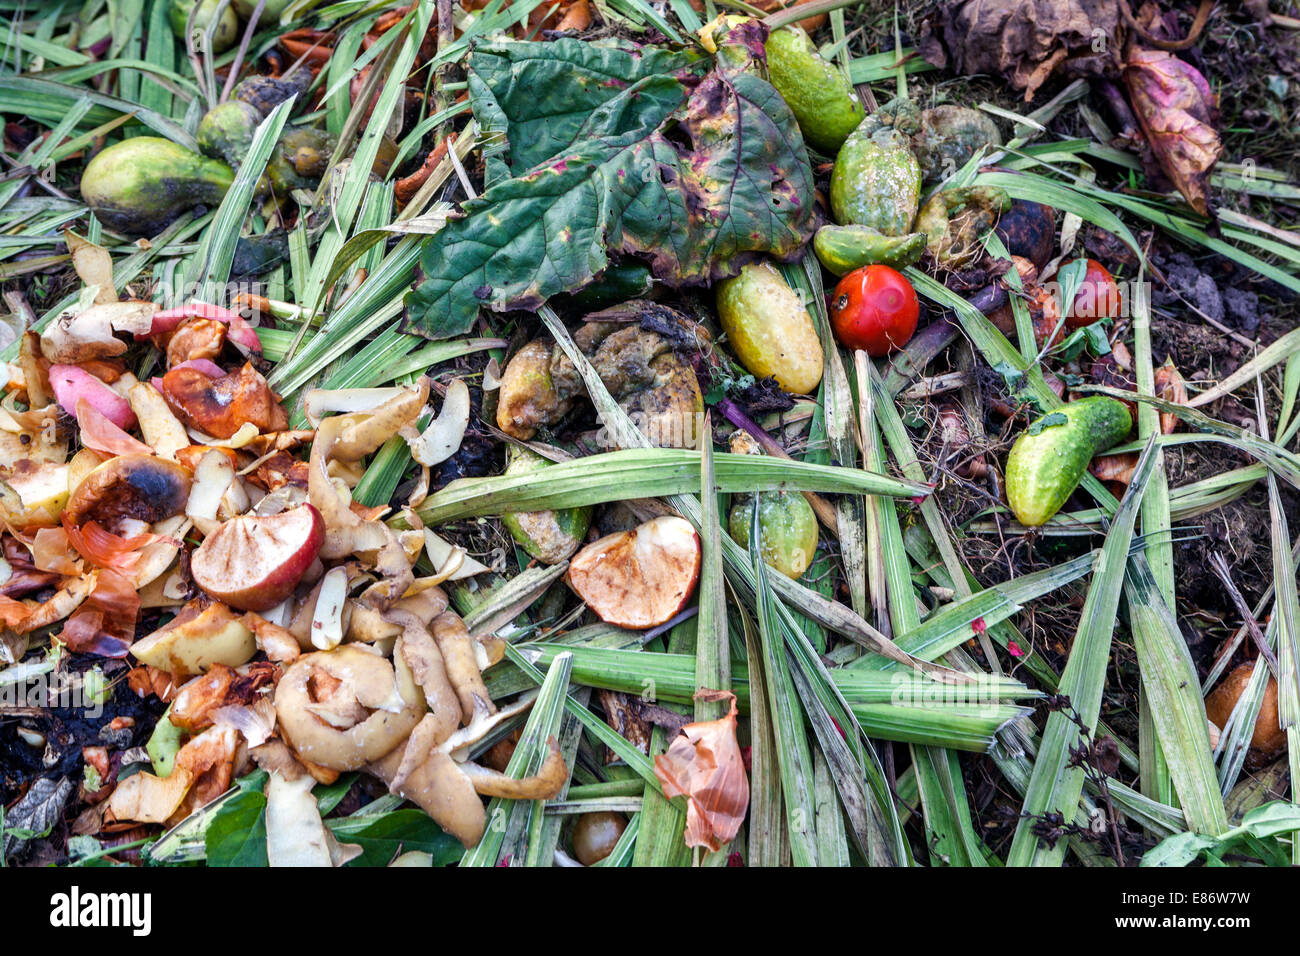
(1026, 41)
(1177, 111)
(696, 170)
(1116, 468)
(1169, 385)
(704, 765)
(37, 811)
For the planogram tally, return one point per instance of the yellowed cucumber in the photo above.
(1049, 459)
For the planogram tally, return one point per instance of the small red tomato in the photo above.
(874, 309)
(1097, 298)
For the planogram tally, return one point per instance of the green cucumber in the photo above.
(787, 530)
(1049, 459)
(823, 101)
(842, 249)
(548, 536)
(620, 282)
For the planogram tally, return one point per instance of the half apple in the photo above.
(640, 578)
(253, 562)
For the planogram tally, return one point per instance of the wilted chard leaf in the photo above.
(1176, 109)
(532, 100)
(698, 174)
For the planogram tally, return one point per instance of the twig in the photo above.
(824, 510)
(1186, 43)
(238, 61)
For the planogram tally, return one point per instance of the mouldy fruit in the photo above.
(226, 33)
(949, 136)
(787, 529)
(253, 562)
(138, 487)
(876, 182)
(141, 184)
(842, 249)
(299, 160)
(817, 92)
(1050, 457)
(226, 131)
(1268, 738)
(528, 398)
(769, 329)
(955, 221)
(548, 536)
(638, 362)
(1028, 229)
(639, 578)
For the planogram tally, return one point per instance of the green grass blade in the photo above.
(647, 473)
(1176, 709)
(1054, 786)
(712, 641)
(505, 817)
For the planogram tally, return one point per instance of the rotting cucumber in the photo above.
(1048, 460)
(842, 249)
(822, 99)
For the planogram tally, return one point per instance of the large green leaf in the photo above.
(383, 836)
(237, 834)
(532, 100)
(695, 177)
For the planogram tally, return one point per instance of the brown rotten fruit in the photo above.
(141, 487)
(218, 406)
(639, 578)
(253, 562)
(1267, 739)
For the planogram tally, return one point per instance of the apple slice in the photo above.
(253, 562)
(639, 578)
(195, 639)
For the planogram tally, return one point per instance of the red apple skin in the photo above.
(249, 584)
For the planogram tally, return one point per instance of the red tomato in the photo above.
(874, 309)
(1097, 298)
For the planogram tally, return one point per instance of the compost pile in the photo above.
(571, 434)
